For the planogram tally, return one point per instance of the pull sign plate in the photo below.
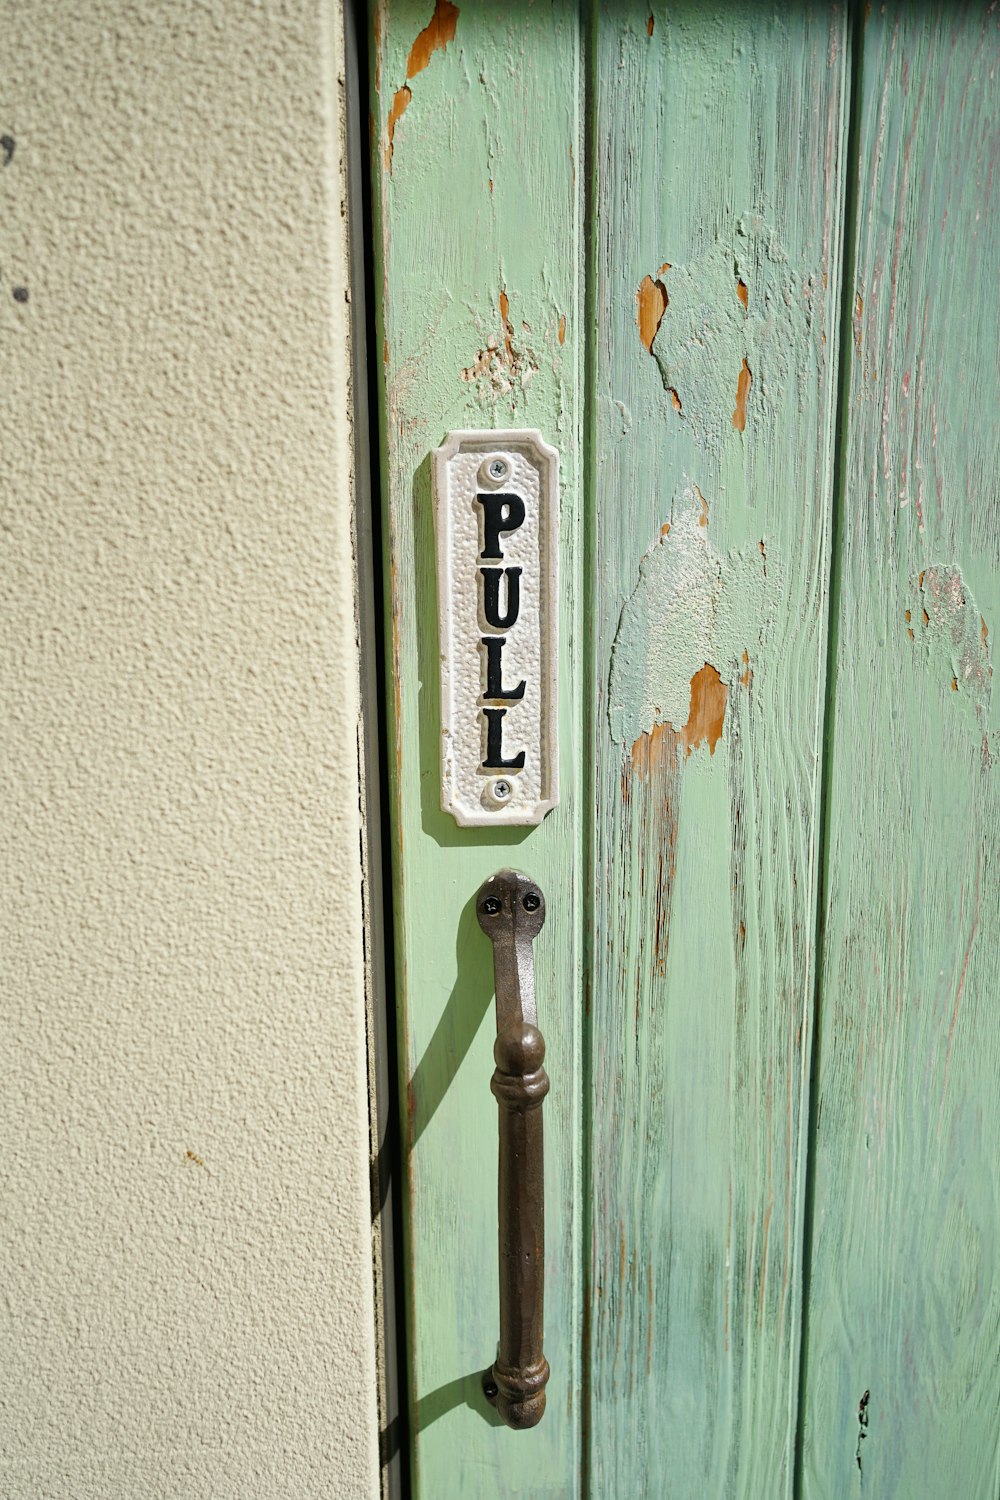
(496, 516)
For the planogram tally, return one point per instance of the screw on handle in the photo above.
(511, 911)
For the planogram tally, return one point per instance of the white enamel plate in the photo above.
(496, 516)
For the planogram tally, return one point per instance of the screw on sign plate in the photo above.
(494, 470)
(497, 794)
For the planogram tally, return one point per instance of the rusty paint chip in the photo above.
(400, 101)
(707, 711)
(439, 31)
(653, 302)
(743, 383)
(508, 331)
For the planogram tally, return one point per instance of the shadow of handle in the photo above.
(456, 1030)
(466, 1391)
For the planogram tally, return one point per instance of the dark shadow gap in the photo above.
(386, 1174)
(589, 24)
(856, 15)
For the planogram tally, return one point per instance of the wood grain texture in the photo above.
(717, 211)
(475, 137)
(902, 1391)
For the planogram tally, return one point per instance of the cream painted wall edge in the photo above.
(185, 1241)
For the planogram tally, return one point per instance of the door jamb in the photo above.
(384, 1155)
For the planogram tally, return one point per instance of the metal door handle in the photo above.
(511, 910)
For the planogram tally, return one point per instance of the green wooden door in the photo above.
(737, 264)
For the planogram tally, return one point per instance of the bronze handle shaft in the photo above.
(511, 910)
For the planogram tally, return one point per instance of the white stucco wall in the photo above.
(185, 1264)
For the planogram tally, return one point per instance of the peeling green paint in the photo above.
(952, 637)
(904, 1295)
(692, 606)
(684, 895)
(718, 148)
(708, 331)
(478, 257)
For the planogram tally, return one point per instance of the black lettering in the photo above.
(494, 670)
(491, 596)
(501, 513)
(494, 744)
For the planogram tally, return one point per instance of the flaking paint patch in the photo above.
(708, 341)
(692, 609)
(706, 716)
(952, 635)
(439, 31)
(502, 370)
(707, 710)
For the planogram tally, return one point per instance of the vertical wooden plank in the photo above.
(718, 136)
(475, 139)
(902, 1394)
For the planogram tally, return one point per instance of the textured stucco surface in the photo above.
(186, 1305)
